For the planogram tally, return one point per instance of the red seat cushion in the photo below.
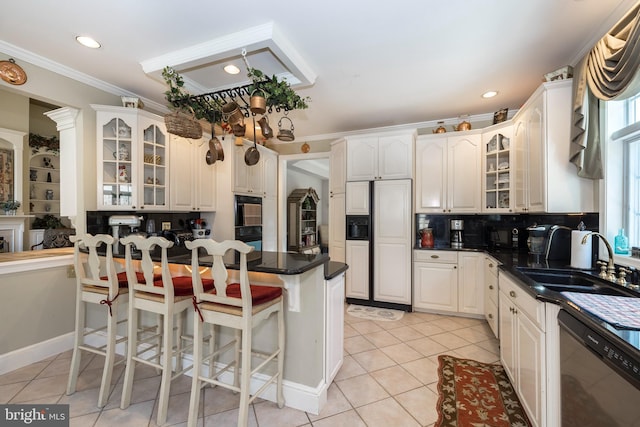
(259, 294)
(183, 286)
(124, 283)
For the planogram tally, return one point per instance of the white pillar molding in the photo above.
(70, 159)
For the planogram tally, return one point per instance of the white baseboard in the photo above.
(22, 357)
(296, 395)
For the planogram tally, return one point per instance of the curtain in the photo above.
(609, 71)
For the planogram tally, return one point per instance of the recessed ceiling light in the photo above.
(231, 69)
(489, 94)
(88, 42)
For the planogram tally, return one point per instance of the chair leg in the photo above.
(245, 381)
(194, 400)
(236, 355)
(132, 345)
(110, 353)
(281, 341)
(165, 382)
(212, 348)
(179, 329)
(77, 341)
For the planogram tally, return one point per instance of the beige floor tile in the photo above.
(92, 378)
(27, 373)
(421, 404)
(426, 346)
(84, 402)
(269, 415)
(427, 328)
(229, 418)
(395, 380)
(42, 388)
(473, 335)
(220, 399)
(387, 325)
(477, 353)
(382, 339)
(357, 344)
(450, 340)
(406, 333)
(469, 322)
(401, 353)
(366, 327)
(412, 319)
(425, 370)
(345, 419)
(135, 415)
(492, 345)
(84, 420)
(349, 331)
(362, 390)
(448, 323)
(386, 413)
(8, 391)
(56, 367)
(177, 410)
(143, 390)
(425, 317)
(350, 368)
(336, 403)
(373, 360)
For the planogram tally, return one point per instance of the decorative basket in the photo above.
(183, 125)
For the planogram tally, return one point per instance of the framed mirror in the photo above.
(11, 158)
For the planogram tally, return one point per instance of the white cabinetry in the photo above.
(193, 181)
(132, 156)
(337, 180)
(541, 131)
(357, 277)
(497, 169)
(375, 157)
(491, 293)
(357, 198)
(334, 326)
(448, 171)
(449, 281)
(522, 347)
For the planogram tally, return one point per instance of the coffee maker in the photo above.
(457, 233)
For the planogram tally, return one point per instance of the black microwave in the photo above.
(506, 237)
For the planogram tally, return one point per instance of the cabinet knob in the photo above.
(490, 265)
(512, 294)
(435, 256)
(490, 316)
(455, 267)
(491, 287)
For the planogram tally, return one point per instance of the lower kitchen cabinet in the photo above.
(491, 293)
(522, 347)
(449, 281)
(357, 277)
(334, 326)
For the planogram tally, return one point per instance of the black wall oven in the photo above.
(248, 220)
(600, 380)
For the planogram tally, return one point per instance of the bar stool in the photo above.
(240, 306)
(96, 283)
(169, 296)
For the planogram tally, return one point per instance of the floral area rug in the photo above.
(475, 394)
(374, 313)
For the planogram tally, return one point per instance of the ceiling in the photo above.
(364, 66)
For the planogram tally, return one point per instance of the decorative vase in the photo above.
(10, 212)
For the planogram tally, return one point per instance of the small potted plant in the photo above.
(10, 207)
(279, 93)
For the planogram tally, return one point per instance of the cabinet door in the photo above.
(435, 286)
(464, 174)
(520, 147)
(357, 201)
(182, 177)
(337, 227)
(362, 159)
(338, 167)
(334, 326)
(497, 171)
(240, 173)
(357, 277)
(535, 150)
(392, 242)
(470, 283)
(270, 224)
(206, 177)
(395, 157)
(431, 175)
(270, 173)
(154, 176)
(506, 327)
(530, 367)
(256, 177)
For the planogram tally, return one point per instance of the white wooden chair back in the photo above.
(93, 269)
(218, 272)
(146, 245)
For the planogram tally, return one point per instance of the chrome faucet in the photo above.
(551, 233)
(611, 268)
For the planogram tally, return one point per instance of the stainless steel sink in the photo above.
(571, 281)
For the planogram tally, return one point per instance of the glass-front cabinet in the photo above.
(132, 155)
(498, 166)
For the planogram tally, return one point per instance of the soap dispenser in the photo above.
(621, 243)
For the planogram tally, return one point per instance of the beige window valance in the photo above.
(609, 71)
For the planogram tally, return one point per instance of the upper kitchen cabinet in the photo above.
(448, 170)
(497, 183)
(380, 156)
(338, 167)
(259, 180)
(193, 181)
(131, 158)
(337, 188)
(541, 139)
